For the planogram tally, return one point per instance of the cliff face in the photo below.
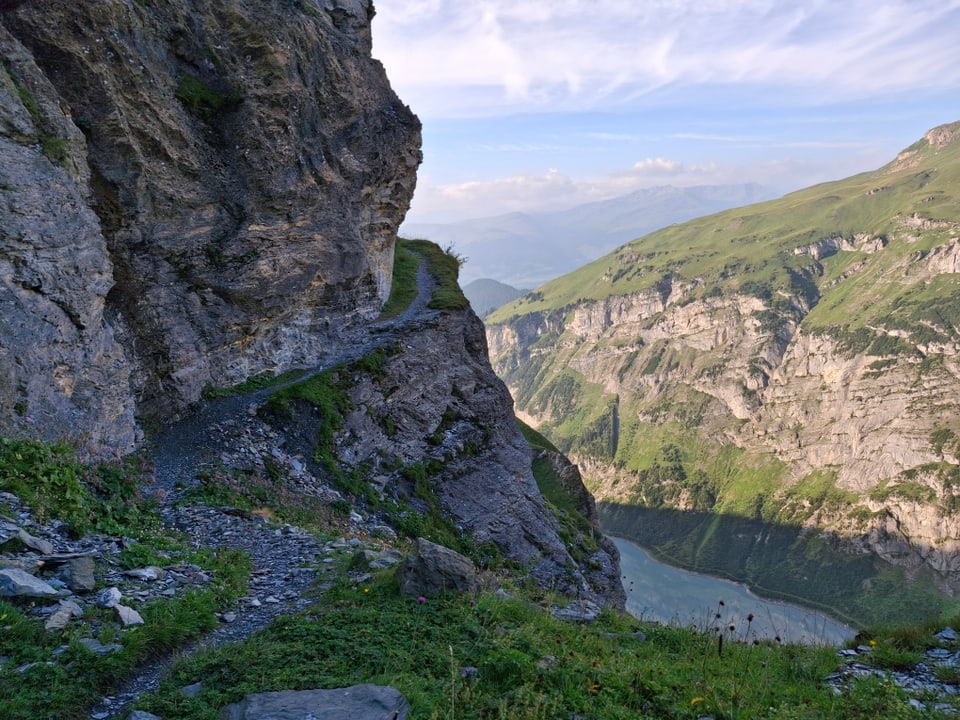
(194, 191)
(795, 361)
(436, 403)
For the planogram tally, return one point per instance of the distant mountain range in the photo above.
(528, 249)
(486, 295)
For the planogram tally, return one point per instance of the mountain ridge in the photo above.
(811, 338)
(525, 249)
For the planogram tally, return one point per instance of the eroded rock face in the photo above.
(194, 192)
(436, 403)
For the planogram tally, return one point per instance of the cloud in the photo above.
(450, 58)
(552, 190)
(555, 190)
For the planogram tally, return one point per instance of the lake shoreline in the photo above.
(665, 575)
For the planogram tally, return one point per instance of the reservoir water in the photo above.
(671, 596)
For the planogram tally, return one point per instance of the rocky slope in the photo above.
(197, 192)
(795, 361)
(193, 192)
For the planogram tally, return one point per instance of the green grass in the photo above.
(65, 685)
(403, 289)
(444, 266)
(526, 664)
(203, 100)
(105, 497)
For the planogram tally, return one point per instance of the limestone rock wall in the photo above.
(193, 191)
(436, 400)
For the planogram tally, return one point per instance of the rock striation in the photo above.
(193, 192)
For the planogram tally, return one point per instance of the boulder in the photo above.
(17, 583)
(433, 570)
(360, 702)
(81, 574)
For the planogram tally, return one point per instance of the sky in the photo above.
(538, 105)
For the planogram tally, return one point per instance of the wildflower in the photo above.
(366, 590)
(697, 701)
(421, 599)
(872, 643)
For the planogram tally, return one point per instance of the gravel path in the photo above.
(290, 567)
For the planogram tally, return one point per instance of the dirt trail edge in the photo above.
(285, 577)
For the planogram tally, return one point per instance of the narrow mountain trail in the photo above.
(291, 568)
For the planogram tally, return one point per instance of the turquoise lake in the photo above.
(669, 595)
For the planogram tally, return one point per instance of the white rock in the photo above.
(128, 616)
(108, 597)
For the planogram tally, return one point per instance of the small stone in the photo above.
(271, 599)
(62, 615)
(94, 645)
(192, 690)
(948, 634)
(34, 543)
(108, 597)
(142, 715)
(128, 616)
(229, 617)
(149, 573)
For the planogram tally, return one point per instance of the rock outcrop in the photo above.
(432, 425)
(193, 192)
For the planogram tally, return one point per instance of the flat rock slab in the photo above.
(17, 583)
(359, 702)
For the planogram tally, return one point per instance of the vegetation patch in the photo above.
(403, 289)
(444, 266)
(502, 657)
(105, 497)
(202, 100)
(51, 674)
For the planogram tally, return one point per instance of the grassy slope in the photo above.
(864, 300)
(755, 244)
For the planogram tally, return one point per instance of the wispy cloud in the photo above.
(555, 190)
(450, 58)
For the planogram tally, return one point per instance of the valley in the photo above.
(792, 363)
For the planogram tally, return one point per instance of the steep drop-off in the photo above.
(196, 192)
(795, 362)
(192, 192)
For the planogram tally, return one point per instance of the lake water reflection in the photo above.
(669, 595)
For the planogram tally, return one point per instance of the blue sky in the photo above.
(543, 104)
